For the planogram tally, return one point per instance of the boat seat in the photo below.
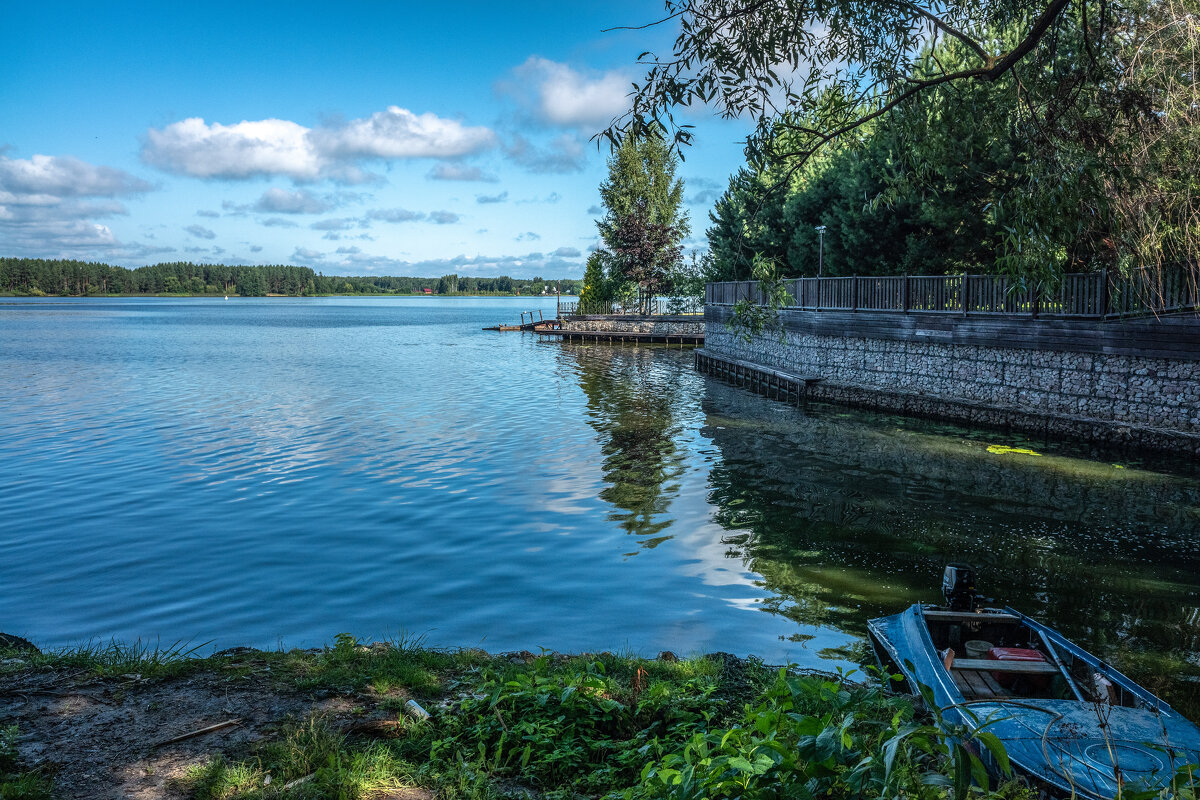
(966, 616)
(1017, 667)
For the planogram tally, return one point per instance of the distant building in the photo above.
(427, 291)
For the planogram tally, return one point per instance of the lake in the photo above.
(273, 472)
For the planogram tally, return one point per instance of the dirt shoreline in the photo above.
(100, 732)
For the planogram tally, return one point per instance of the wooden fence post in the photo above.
(963, 292)
(904, 295)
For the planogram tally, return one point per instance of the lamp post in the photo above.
(821, 251)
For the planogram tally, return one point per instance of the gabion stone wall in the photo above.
(616, 324)
(1101, 396)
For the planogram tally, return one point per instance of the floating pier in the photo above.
(755, 377)
(540, 324)
(624, 336)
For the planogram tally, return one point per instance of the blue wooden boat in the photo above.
(1068, 719)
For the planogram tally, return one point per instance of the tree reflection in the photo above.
(632, 402)
(850, 516)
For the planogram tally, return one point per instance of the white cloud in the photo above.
(200, 232)
(335, 224)
(304, 254)
(43, 177)
(705, 191)
(459, 172)
(300, 201)
(42, 212)
(561, 95)
(251, 149)
(244, 150)
(444, 217)
(567, 252)
(399, 133)
(394, 215)
(563, 154)
(494, 198)
(351, 261)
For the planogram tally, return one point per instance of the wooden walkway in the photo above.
(681, 339)
(755, 377)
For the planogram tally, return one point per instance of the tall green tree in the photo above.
(594, 295)
(251, 283)
(1099, 95)
(642, 196)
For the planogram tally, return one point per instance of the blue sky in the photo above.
(356, 138)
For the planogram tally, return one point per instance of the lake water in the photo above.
(276, 471)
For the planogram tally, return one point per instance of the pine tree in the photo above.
(594, 294)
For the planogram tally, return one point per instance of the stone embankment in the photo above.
(1132, 382)
(663, 329)
(663, 326)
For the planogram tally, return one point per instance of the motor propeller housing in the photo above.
(958, 587)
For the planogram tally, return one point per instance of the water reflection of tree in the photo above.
(847, 519)
(632, 398)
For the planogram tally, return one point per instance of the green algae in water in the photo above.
(860, 513)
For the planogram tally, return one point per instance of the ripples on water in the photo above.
(266, 471)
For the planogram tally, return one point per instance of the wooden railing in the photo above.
(1097, 295)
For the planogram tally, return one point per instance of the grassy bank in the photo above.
(133, 721)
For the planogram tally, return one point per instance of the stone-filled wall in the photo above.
(659, 326)
(1035, 382)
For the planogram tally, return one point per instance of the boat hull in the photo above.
(1069, 745)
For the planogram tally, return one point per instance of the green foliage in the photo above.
(15, 782)
(644, 221)
(37, 277)
(1034, 139)
(810, 737)
(348, 666)
(595, 293)
(628, 729)
(576, 728)
(750, 317)
(150, 660)
(251, 284)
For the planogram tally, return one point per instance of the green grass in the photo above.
(111, 659)
(615, 727)
(17, 783)
(556, 727)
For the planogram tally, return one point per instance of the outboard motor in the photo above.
(958, 587)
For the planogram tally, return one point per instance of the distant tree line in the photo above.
(38, 276)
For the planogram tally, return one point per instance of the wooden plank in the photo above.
(1017, 667)
(977, 684)
(966, 616)
(996, 689)
(960, 680)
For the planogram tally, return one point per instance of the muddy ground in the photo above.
(107, 738)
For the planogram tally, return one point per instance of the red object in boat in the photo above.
(1006, 679)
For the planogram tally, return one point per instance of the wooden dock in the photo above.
(539, 325)
(756, 377)
(681, 339)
